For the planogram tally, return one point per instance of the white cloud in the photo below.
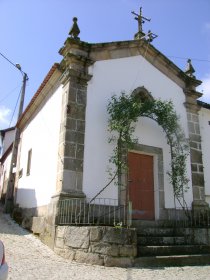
(205, 88)
(207, 26)
(4, 116)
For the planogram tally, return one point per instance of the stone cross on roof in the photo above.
(141, 19)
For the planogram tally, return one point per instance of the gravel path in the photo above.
(28, 259)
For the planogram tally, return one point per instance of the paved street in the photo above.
(28, 258)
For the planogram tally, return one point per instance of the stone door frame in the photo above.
(159, 198)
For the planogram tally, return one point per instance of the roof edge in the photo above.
(6, 153)
(3, 131)
(203, 104)
(41, 87)
(149, 52)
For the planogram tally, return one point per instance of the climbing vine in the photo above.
(124, 111)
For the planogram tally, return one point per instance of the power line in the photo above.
(185, 58)
(8, 60)
(140, 69)
(15, 107)
(15, 65)
(171, 56)
(7, 95)
(22, 91)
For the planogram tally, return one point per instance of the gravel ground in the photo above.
(28, 258)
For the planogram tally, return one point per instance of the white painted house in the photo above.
(7, 138)
(64, 149)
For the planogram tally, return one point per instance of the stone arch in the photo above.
(124, 112)
(142, 94)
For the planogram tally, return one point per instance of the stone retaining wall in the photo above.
(97, 245)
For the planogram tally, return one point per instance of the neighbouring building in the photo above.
(7, 138)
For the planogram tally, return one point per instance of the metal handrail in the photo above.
(101, 211)
(193, 218)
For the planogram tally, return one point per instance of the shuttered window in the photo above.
(29, 162)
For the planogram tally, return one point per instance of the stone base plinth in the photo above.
(101, 245)
(199, 205)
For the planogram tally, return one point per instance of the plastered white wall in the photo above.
(204, 119)
(112, 77)
(42, 136)
(4, 171)
(5, 166)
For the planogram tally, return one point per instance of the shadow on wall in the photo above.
(9, 226)
(26, 204)
(23, 212)
(26, 198)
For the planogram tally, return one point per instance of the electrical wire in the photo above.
(25, 78)
(15, 65)
(15, 107)
(185, 58)
(138, 71)
(5, 97)
(171, 56)
(8, 60)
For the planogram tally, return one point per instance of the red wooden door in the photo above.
(141, 186)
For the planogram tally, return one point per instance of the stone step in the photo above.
(161, 231)
(172, 250)
(183, 260)
(161, 240)
(158, 223)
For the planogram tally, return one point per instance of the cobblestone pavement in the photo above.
(28, 259)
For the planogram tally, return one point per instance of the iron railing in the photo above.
(189, 217)
(107, 211)
(101, 211)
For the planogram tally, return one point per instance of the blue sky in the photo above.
(32, 32)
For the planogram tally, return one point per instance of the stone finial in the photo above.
(74, 31)
(189, 69)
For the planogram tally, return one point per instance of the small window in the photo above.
(29, 163)
(20, 172)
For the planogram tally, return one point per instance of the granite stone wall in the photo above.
(100, 245)
(196, 156)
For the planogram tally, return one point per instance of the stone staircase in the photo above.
(160, 244)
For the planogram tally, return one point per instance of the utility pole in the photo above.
(9, 201)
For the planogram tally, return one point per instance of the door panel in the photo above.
(141, 185)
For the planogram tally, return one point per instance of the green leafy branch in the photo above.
(124, 111)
